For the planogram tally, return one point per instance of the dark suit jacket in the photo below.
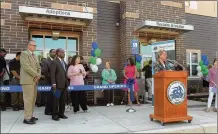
(45, 70)
(58, 74)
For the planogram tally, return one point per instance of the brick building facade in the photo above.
(113, 26)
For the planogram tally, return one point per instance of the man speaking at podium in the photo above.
(165, 64)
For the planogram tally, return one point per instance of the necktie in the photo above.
(62, 62)
(34, 57)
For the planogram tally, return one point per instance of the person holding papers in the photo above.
(76, 73)
(59, 82)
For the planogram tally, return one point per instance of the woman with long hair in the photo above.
(108, 77)
(76, 74)
(213, 72)
(130, 71)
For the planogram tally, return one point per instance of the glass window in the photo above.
(51, 43)
(39, 41)
(39, 54)
(193, 58)
(72, 44)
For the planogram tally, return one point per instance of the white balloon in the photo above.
(199, 68)
(200, 74)
(91, 65)
(98, 61)
(94, 68)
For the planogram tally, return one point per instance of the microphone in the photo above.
(175, 62)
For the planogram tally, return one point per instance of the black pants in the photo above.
(49, 102)
(59, 103)
(78, 98)
(109, 96)
(5, 98)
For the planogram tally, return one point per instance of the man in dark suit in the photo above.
(46, 78)
(59, 83)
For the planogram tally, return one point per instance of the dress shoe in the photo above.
(63, 117)
(29, 121)
(21, 107)
(34, 119)
(38, 105)
(15, 109)
(48, 113)
(207, 110)
(55, 118)
(215, 109)
(3, 108)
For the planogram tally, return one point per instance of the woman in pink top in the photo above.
(213, 72)
(130, 71)
(76, 73)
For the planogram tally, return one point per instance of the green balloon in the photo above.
(205, 72)
(138, 65)
(97, 52)
(201, 63)
(93, 60)
(203, 68)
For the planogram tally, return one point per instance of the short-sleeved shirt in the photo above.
(14, 65)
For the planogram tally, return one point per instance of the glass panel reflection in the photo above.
(194, 57)
(39, 41)
(38, 54)
(55, 44)
(71, 46)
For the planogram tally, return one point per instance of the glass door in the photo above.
(45, 42)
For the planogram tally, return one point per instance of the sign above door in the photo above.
(55, 12)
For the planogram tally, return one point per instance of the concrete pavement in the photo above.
(115, 119)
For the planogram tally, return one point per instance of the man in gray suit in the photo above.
(59, 83)
(45, 65)
(30, 73)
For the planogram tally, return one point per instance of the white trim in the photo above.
(56, 12)
(191, 51)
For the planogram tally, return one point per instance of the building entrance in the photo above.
(46, 40)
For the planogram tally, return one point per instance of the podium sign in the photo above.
(170, 101)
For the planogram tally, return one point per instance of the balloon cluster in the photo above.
(202, 68)
(95, 60)
(138, 62)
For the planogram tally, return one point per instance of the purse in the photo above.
(214, 90)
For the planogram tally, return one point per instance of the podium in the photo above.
(170, 97)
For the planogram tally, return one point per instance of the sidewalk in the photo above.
(103, 119)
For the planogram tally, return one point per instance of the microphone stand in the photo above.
(175, 62)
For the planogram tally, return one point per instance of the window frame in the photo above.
(190, 52)
(67, 34)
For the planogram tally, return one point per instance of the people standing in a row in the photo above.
(130, 71)
(45, 67)
(108, 77)
(59, 82)
(30, 74)
(16, 97)
(76, 73)
(213, 72)
(41, 96)
(3, 72)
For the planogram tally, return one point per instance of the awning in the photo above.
(162, 27)
(55, 15)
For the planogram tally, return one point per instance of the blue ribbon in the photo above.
(18, 88)
(130, 84)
